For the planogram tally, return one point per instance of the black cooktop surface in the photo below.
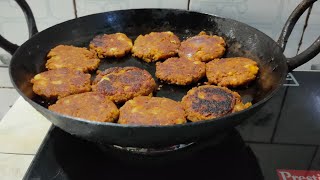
(284, 135)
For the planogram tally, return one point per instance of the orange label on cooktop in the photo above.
(285, 174)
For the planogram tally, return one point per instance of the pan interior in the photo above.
(241, 39)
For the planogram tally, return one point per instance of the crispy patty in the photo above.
(61, 82)
(123, 83)
(111, 45)
(91, 106)
(156, 45)
(63, 56)
(231, 72)
(180, 71)
(146, 110)
(202, 47)
(209, 102)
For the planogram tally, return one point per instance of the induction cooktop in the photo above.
(281, 141)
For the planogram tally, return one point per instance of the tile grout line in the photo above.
(313, 157)
(22, 154)
(4, 87)
(279, 115)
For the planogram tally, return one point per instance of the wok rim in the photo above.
(41, 109)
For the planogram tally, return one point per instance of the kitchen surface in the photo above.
(23, 129)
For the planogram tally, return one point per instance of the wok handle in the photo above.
(312, 50)
(7, 45)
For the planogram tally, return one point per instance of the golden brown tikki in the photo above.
(155, 46)
(111, 45)
(146, 110)
(202, 47)
(61, 82)
(180, 71)
(63, 56)
(90, 106)
(209, 102)
(231, 72)
(123, 83)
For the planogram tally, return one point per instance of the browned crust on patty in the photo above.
(90, 106)
(155, 46)
(180, 71)
(209, 102)
(61, 82)
(146, 110)
(111, 45)
(63, 56)
(202, 47)
(231, 72)
(123, 83)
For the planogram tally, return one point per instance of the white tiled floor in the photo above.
(4, 80)
(14, 166)
(22, 131)
(13, 128)
(7, 99)
(8, 95)
(4, 59)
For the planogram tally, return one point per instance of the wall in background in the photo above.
(47, 13)
(86, 7)
(267, 16)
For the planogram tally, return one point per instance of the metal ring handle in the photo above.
(7, 45)
(311, 51)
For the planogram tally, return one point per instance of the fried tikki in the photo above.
(111, 45)
(180, 71)
(90, 106)
(63, 56)
(231, 72)
(146, 110)
(209, 102)
(202, 47)
(123, 83)
(155, 46)
(61, 82)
